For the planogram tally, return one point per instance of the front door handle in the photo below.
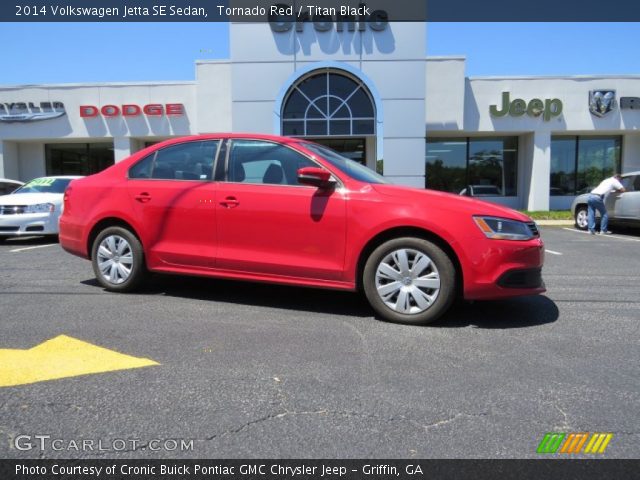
(230, 202)
(143, 197)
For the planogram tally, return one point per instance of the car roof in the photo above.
(628, 174)
(8, 180)
(60, 176)
(227, 135)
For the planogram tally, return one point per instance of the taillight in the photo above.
(65, 198)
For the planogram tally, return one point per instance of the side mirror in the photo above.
(316, 177)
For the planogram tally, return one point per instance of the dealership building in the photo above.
(365, 89)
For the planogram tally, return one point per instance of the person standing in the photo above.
(596, 201)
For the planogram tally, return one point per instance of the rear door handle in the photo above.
(143, 197)
(230, 202)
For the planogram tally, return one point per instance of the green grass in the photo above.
(549, 215)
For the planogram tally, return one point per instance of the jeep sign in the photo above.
(549, 108)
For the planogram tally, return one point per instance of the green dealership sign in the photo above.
(548, 108)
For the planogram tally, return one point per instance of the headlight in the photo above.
(503, 229)
(40, 208)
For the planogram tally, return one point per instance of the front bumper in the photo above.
(29, 224)
(503, 268)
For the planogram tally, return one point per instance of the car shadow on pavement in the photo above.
(331, 302)
(509, 313)
(521, 312)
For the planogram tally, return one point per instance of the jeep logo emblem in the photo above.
(549, 108)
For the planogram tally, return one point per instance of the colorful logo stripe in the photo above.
(559, 442)
(598, 443)
(551, 442)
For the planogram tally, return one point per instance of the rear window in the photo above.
(45, 185)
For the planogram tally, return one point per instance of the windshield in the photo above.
(45, 185)
(352, 168)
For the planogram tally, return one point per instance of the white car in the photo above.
(34, 208)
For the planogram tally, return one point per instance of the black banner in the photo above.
(320, 11)
(319, 469)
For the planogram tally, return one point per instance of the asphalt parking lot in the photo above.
(252, 371)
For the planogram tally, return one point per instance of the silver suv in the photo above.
(623, 207)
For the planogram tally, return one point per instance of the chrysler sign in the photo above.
(30, 111)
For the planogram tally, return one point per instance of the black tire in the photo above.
(138, 269)
(443, 267)
(581, 212)
(3, 239)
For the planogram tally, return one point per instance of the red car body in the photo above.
(301, 235)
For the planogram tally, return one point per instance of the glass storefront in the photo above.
(78, 158)
(578, 164)
(485, 166)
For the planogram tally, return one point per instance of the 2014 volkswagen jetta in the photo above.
(284, 210)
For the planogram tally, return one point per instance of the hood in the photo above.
(450, 202)
(31, 198)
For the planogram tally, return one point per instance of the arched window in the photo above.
(328, 103)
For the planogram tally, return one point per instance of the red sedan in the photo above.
(283, 210)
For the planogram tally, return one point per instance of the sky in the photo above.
(112, 52)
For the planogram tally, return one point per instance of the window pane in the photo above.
(563, 166)
(361, 105)
(446, 164)
(340, 127)
(314, 87)
(292, 128)
(363, 127)
(317, 127)
(598, 158)
(318, 108)
(341, 86)
(254, 161)
(142, 169)
(493, 163)
(295, 106)
(186, 161)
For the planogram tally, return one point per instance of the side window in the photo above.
(630, 183)
(142, 169)
(259, 162)
(185, 161)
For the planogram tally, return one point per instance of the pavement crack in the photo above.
(453, 418)
(565, 423)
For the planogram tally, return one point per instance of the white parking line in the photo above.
(31, 248)
(605, 236)
(552, 252)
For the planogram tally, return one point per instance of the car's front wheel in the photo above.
(118, 259)
(409, 280)
(581, 217)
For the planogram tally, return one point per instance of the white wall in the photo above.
(213, 97)
(9, 160)
(445, 93)
(32, 161)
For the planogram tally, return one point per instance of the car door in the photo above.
(270, 224)
(630, 199)
(173, 199)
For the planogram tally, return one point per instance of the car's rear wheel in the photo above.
(581, 218)
(409, 280)
(118, 259)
